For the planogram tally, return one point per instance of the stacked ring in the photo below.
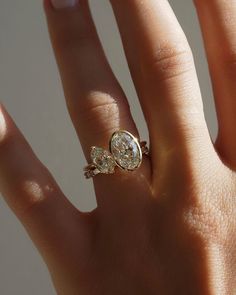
(125, 151)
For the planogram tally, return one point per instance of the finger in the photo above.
(32, 193)
(217, 20)
(162, 67)
(96, 102)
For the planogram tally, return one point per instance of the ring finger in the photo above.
(96, 102)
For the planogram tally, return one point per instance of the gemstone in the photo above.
(125, 150)
(103, 160)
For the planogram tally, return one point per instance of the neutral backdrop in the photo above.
(30, 89)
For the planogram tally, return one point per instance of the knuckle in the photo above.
(171, 61)
(208, 216)
(105, 110)
(103, 113)
(98, 109)
(202, 221)
(33, 196)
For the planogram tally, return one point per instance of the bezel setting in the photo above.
(126, 150)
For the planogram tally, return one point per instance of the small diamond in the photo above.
(103, 160)
(126, 150)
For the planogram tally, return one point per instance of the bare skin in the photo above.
(168, 227)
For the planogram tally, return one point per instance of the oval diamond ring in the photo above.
(125, 151)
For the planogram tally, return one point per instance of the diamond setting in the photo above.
(103, 160)
(126, 150)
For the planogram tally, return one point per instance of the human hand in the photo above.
(169, 226)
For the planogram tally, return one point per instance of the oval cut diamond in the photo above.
(126, 150)
(103, 160)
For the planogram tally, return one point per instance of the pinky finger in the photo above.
(30, 190)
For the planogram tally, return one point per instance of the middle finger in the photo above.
(163, 71)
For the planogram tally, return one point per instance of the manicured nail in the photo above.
(60, 4)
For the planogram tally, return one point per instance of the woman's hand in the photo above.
(169, 226)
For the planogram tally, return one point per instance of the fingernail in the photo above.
(60, 4)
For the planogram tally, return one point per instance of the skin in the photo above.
(168, 227)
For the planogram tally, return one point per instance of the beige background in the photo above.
(30, 89)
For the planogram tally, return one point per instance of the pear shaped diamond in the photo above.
(126, 150)
(103, 160)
